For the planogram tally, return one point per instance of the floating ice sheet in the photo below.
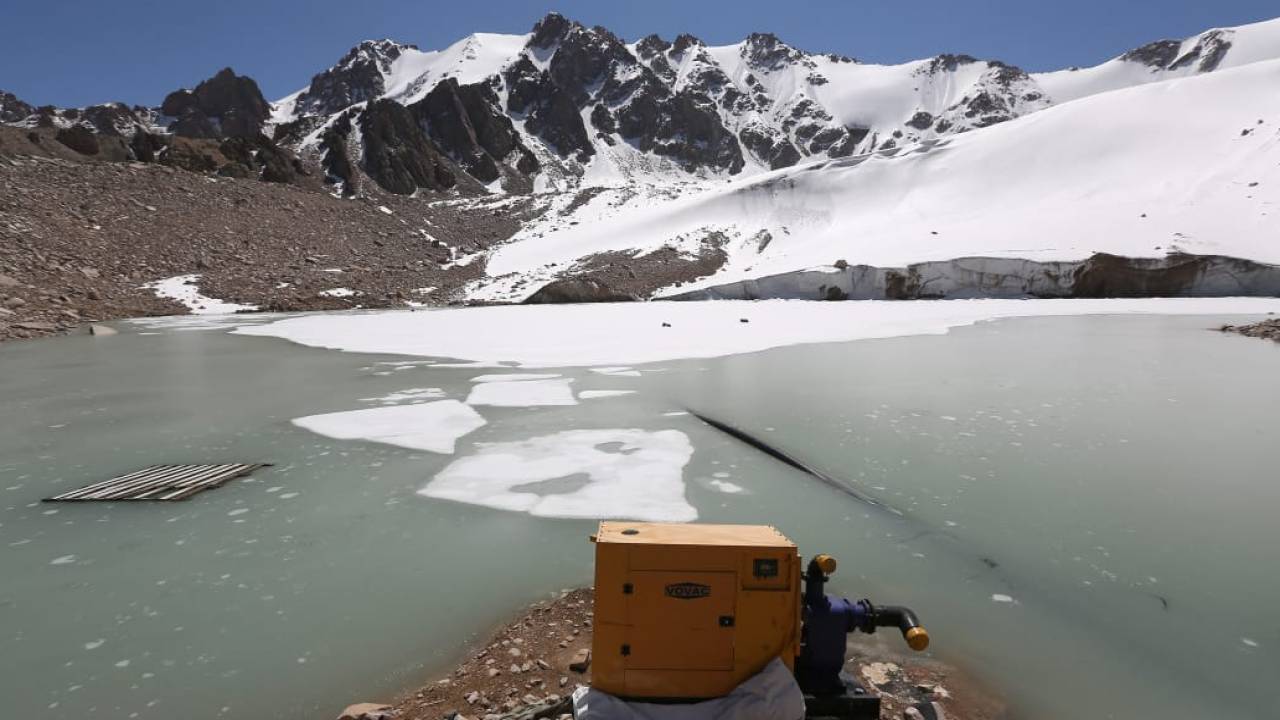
(622, 371)
(621, 474)
(595, 335)
(525, 393)
(434, 426)
(406, 396)
(513, 377)
(590, 394)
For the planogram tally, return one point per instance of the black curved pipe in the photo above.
(895, 616)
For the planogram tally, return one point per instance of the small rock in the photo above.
(563, 681)
(367, 711)
(6, 281)
(14, 302)
(101, 330)
(513, 652)
(544, 664)
(842, 264)
(514, 669)
(91, 273)
(473, 697)
(494, 672)
(581, 661)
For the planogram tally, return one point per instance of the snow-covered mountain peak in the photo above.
(359, 76)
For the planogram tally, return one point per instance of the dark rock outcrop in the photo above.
(334, 157)
(1211, 48)
(573, 290)
(1267, 330)
(398, 155)
(769, 146)
(226, 105)
(1159, 54)
(467, 123)
(258, 157)
(147, 146)
(357, 77)
(79, 138)
(12, 109)
(920, 121)
(651, 46)
(764, 51)
(549, 111)
(550, 30)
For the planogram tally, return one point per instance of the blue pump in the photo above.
(828, 620)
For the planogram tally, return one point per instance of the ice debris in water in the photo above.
(433, 426)
(525, 393)
(624, 473)
(590, 394)
(1002, 598)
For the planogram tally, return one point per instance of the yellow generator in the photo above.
(691, 611)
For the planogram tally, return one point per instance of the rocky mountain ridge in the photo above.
(567, 105)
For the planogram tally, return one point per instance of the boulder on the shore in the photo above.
(367, 711)
(577, 290)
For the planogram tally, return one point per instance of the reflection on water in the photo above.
(1081, 509)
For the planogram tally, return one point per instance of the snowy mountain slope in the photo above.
(595, 110)
(1211, 50)
(1191, 165)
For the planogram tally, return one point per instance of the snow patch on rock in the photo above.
(184, 289)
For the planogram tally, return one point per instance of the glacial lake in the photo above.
(1083, 510)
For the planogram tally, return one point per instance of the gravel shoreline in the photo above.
(1267, 329)
(529, 666)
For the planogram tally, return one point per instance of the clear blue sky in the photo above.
(78, 52)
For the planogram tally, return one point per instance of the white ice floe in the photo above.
(525, 393)
(727, 487)
(433, 426)
(406, 396)
(617, 371)
(617, 333)
(183, 289)
(63, 560)
(590, 394)
(514, 377)
(1001, 598)
(621, 474)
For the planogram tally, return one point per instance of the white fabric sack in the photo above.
(770, 695)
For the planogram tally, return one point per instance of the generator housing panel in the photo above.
(688, 612)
